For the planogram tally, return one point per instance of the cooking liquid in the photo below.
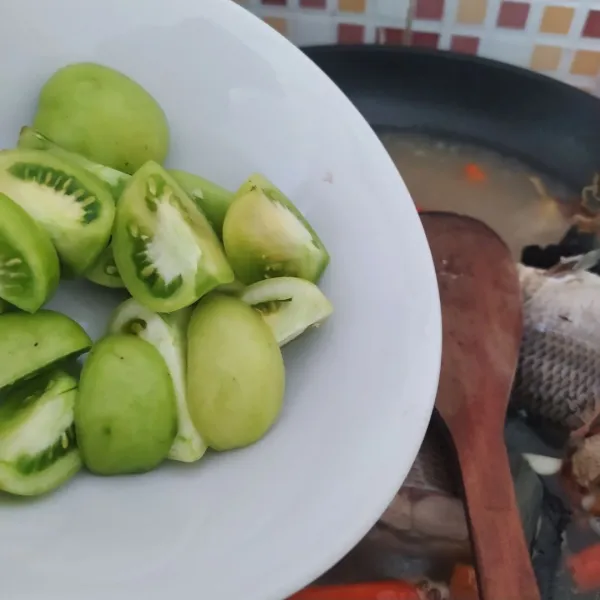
(502, 192)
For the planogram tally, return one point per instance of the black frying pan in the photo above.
(553, 127)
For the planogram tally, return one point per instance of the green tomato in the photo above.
(125, 414)
(213, 200)
(29, 267)
(74, 207)
(38, 451)
(165, 249)
(104, 271)
(30, 139)
(266, 236)
(168, 334)
(288, 305)
(103, 115)
(30, 343)
(236, 376)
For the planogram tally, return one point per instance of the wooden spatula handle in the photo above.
(503, 561)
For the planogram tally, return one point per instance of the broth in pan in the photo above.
(518, 203)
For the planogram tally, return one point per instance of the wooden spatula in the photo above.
(482, 322)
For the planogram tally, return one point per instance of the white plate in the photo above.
(260, 523)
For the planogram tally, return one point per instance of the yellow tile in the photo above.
(277, 23)
(545, 58)
(586, 62)
(557, 19)
(356, 6)
(471, 12)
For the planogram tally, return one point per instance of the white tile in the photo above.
(311, 30)
(510, 49)
(392, 9)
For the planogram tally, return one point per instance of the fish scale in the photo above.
(558, 377)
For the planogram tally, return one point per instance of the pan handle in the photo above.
(503, 561)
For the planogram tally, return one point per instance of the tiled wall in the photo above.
(557, 37)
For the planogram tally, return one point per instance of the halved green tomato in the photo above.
(29, 267)
(288, 305)
(165, 249)
(38, 452)
(266, 236)
(213, 200)
(126, 415)
(30, 343)
(236, 374)
(74, 207)
(30, 139)
(167, 333)
(104, 271)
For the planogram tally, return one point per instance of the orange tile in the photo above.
(355, 6)
(471, 12)
(545, 58)
(277, 23)
(586, 62)
(557, 19)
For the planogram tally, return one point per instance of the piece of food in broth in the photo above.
(168, 334)
(32, 342)
(29, 267)
(75, 208)
(213, 200)
(38, 452)
(288, 305)
(266, 236)
(103, 115)
(125, 414)
(236, 376)
(165, 250)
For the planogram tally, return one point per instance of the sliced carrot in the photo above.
(474, 173)
(383, 590)
(463, 584)
(585, 568)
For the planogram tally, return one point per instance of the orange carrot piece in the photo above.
(383, 590)
(585, 568)
(463, 584)
(474, 173)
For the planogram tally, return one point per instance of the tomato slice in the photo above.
(38, 451)
(29, 267)
(165, 250)
(75, 208)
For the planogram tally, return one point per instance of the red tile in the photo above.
(350, 34)
(275, 2)
(313, 3)
(431, 10)
(425, 39)
(390, 35)
(467, 44)
(513, 15)
(591, 28)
